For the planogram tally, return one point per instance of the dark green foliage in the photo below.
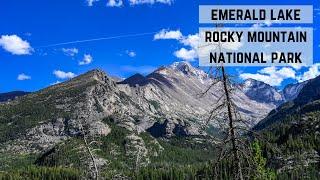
(155, 104)
(297, 139)
(70, 153)
(203, 171)
(113, 146)
(9, 161)
(38, 173)
(261, 171)
(185, 150)
(174, 173)
(311, 173)
(41, 107)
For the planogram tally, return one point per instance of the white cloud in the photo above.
(264, 78)
(131, 53)
(87, 59)
(271, 75)
(256, 26)
(15, 45)
(191, 40)
(268, 22)
(114, 3)
(63, 75)
(70, 51)
(232, 45)
(54, 83)
(90, 2)
(137, 2)
(22, 77)
(166, 34)
(312, 72)
(297, 66)
(188, 55)
(267, 45)
(28, 33)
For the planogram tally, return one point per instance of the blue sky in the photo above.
(29, 31)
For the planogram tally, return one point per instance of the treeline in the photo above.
(39, 173)
(296, 141)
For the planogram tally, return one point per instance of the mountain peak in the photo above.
(187, 69)
(291, 91)
(182, 66)
(254, 83)
(136, 79)
(97, 75)
(96, 72)
(262, 92)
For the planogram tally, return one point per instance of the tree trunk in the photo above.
(236, 169)
(96, 172)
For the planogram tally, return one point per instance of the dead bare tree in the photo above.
(233, 147)
(229, 119)
(138, 160)
(90, 150)
(225, 113)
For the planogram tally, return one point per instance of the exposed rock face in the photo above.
(291, 91)
(310, 92)
(136, 79)
(295, 122)
(169, 95)
(292, 162)
(168, 129)
(262, 92)
(174, 91)
(136, 149)
(39, 138)
(306, 101)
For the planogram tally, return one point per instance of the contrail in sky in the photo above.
(97, 39)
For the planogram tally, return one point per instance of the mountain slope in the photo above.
(156, 119)
(291, 91)
(41, 119)
(50, 115)
(178, 87)
(169, 96)
(262, 92)
(294, 128)
(306, 101)
(11, 95)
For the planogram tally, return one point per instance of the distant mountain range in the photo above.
(294, 128)
(141, 114)
(169, 96)
(264, 93)
(304, 102)
(11, 95)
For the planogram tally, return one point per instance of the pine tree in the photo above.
(261, 171)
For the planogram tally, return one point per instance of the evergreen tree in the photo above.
(261, 171)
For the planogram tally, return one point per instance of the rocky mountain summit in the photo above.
(264, 93)
(167, 101)
(139, 120)
(291, 91)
